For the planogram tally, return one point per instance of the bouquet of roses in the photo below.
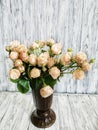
(43, 63)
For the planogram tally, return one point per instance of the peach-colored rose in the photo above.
(86, 66)
(34, 45)
(32, 59)
(46, 91)
(41, 43)
(24, 56)
(22, 48)
(65, 59)
(18, 63)
(42, 60)
(80, 57)
(14, 55)
(21, 69)
(14, 74)
(14, 44)
(51, 62)
(56, 48)
(50, 42)
(54, 72)
(78, 74)
(35, 73)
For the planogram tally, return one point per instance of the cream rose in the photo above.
(21, 69)
(65, 59)
(13, 55)
(46, 91)
(80, 57)
(42, 60)
(24, 56)
(14, 44)
(34, 45)
(35, 73)
(14, 74)
(51, 62)
(18, 63)
(56, 48)
(78, 74)
(22, 48)
(50, 42)
(86, 66)
(54, 72)
(32, 59)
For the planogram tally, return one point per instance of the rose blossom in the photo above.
(21, 69)
(14, 55)
(41, 43)
(51, 62)
(80, 57)
(14, 74)
(32, 59)
(14, 44)
(78, 74)
(56, 48)
(22, 48)
(86, 66)
(18, 63)
(35, 73)
(24, 56)
(34, 45)
(54, 72)
(50, 42)
(46, 91)
(42, 60)
(65, 59)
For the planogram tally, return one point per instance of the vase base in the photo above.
(43, 119)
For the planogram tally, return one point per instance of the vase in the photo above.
(43, 116)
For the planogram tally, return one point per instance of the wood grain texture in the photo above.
(74, 23)
(73, 112)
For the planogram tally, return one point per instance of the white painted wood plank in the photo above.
(74, 112)
(74, 23)
(83, 113)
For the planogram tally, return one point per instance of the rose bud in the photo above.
(21, 69)
(80, 57)
(35, 73)
(13, 55)
(51, 62)
(41, 43)
(46, 91)
(22, 48)
(86, 66)
(8, 48)
(14, 74)
(78, 74)
(65, 59)
(42, 60)
(34, 45)
(56, 48)
(24, 56)
(32, 59)
(18, 63)
(54, 72)
(50, 42)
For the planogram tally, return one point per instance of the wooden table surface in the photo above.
(74, 112)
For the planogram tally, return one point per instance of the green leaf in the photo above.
(14, 81)
(23, 86)
(50, 81)
(35, 83)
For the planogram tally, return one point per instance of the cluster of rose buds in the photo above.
(46, 58)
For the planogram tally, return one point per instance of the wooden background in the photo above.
(74, 23)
